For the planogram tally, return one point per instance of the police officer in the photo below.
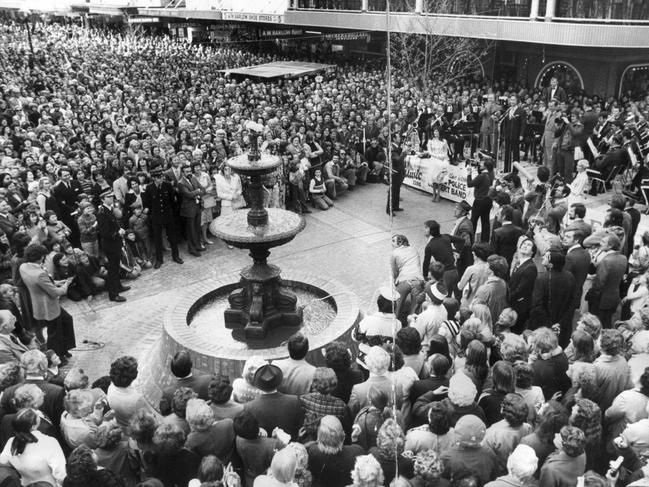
(158, 201)
(110, 236)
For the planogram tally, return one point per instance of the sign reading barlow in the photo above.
(252, 17)
(422, 173)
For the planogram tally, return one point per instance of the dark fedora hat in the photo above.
(268, 377)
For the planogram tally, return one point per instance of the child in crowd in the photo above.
(87, 222)
(129, 266)
(56, 230)
(139, 223)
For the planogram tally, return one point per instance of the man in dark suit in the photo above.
(553, 297)
(521, 284)
(158, 201)
(577, 262)
(181, 368)
(190, 209)
(274, 409)
(513, 130)
(440, 366)
(554, 92)
(398, 173)
(8, 222)
(34, 365)
(604, 295)
(66, 192)
(616, 156)
(439, 248)
(463, 236)
(110, 238)
(505, 238)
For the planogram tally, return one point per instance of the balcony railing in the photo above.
(622, 11)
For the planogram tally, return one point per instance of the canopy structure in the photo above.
(279, 69)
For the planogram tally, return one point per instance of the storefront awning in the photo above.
(279, 69)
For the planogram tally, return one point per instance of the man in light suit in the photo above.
(297, 372)
(521, 283)
(577, 261)
(377, 361)
(190, 209)
(274, 409)
(605, 292)
(45, 294)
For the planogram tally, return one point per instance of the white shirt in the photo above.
(428, 321)
(42, 461)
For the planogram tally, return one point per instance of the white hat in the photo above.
(389, 293)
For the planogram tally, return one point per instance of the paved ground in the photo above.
(350, 242)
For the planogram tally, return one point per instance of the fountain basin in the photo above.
(194, 322)
(282, 227)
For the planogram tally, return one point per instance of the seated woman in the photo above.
(318, 191)
(88, 276)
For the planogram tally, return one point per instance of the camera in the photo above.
(614, 466)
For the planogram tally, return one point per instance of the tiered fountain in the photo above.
(254, 312)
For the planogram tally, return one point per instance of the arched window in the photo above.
(566, 74)
(635, 81)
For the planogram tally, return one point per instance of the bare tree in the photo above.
(431, 58)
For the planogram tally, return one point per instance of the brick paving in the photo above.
(349, 243)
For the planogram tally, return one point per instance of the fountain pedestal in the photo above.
(261, 305)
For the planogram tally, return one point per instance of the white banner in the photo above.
(422, 173)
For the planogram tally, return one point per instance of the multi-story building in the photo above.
(600, 46)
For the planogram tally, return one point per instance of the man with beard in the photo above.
(576, 214)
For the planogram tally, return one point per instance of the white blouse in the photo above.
(227, 190)
(42, 461)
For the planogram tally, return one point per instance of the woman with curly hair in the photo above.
(339, 359)
(389, 445)
(437, 435)
(122, 398)
(219, 392)
(533, 395)
(587, 416)
(367, 472)
(502, 437)
(113, 453)
(552, 417)
(281, 472)
(172, 462)
(178, 408)
(613, 372)
(565, 465)
(320, 402)
(82, 470)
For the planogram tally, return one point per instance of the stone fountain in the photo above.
(260, 304)
(230, 316)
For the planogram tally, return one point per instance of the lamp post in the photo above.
(27, 13)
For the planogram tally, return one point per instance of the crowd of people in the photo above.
(496, 356)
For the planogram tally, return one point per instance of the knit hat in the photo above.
(523, 462)
(461, 390)
(470, 430)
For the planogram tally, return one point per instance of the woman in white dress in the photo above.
(208, 201)
(229, 192)
(438, 175)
